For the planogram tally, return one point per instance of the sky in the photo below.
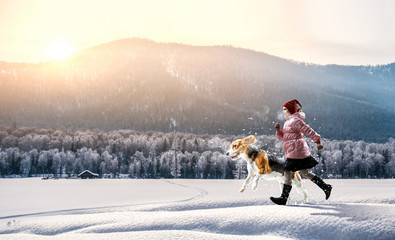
(347, 32)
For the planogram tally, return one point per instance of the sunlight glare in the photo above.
(59, 50)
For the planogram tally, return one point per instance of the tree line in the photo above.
(32, 152)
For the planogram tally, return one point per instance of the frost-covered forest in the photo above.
(30, 152)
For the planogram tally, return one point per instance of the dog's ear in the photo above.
(250, 139)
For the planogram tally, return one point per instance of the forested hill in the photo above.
(148, 86)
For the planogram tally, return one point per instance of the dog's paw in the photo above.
(242, 190)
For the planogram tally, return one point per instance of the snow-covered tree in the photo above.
(202, 166)
(26, 164)
(43, 161)
(56, 164)
(115, 167)
(175, 163)
(240, 172)
(3, 163)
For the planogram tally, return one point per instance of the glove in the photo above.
(320, 146)
(277, 127)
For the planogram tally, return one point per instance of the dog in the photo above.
(261, 165)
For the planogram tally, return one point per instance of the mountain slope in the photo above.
(144, 85)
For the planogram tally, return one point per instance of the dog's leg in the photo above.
(297, 182)
(281, 184)
(248, 180)
(255, 181)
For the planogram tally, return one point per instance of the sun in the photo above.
(59, 50)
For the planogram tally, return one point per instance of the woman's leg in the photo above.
(325, 187)
(305, 173)
(287, 177)
(282, 200)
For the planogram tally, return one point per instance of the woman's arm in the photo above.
(307, 130)
(279, 132)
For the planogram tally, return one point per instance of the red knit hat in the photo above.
(292, 106)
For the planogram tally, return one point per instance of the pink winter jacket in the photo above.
(294, 144)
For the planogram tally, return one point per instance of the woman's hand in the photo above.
(277, 127)
(320, 146)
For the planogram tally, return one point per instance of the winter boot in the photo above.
(284, 196)
(326, 187)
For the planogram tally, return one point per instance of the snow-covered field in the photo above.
(192, 209)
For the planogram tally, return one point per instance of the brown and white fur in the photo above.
(262, 166)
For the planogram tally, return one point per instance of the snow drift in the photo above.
(192, 209)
